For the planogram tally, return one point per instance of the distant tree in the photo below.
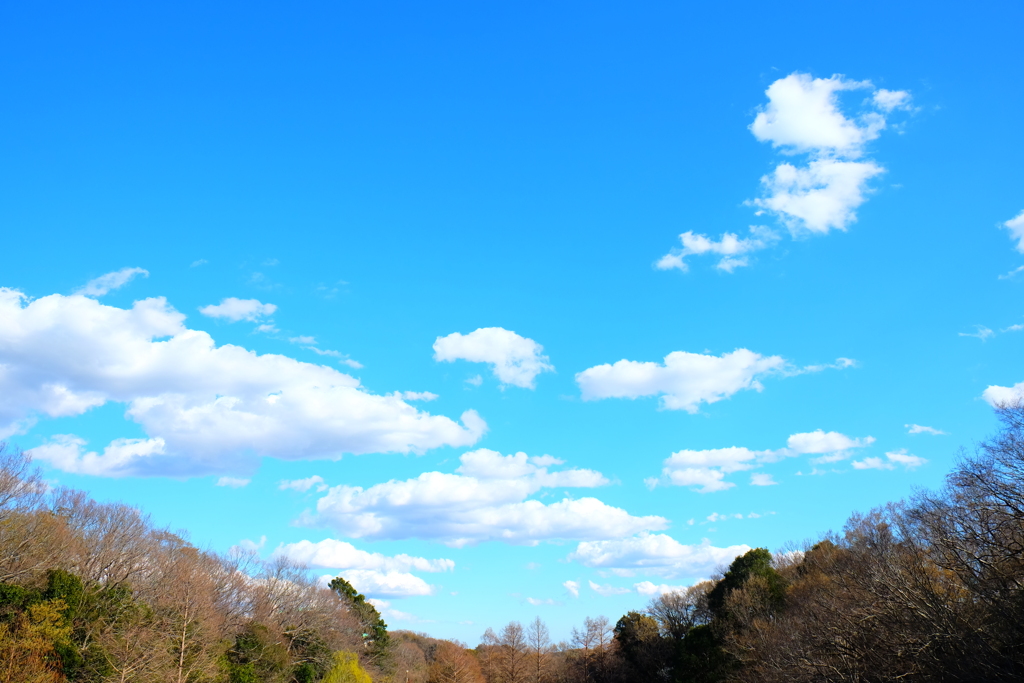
(538, 643)
(452, 663)
(512, 663)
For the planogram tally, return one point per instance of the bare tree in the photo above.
(453, 664)
(538, 642)
(513, 653)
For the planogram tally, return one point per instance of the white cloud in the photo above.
(729, 246)
(302, 340)
(803, 116)
(416, 395)
(205, 408)
(239, 309)
(821, 197)
(267, 328)
(1012, 273)
(573, 587)
(199, 262)
(607, 590)
(820, 441)
(716, 517)
(997, 396)
(233, 482)
(707, 469)
(684, 380)
(334, 554)
(342, 358)
(983, 333)
(536, 602)
(1016, 227)
(121, 457)
(651, 589)
(303, 485)
(513, 359)
(386, 584)
(889, 100)
(921, 429)
(486, 501)
(893, 458)
(475, 380)
(111, 281)
(656, 554)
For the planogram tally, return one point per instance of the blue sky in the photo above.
(696, 272)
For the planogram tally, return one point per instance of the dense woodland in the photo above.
(927, 589)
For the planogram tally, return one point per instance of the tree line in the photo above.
(93, 592)
(926, 589)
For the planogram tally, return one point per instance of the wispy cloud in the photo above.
(111, 281)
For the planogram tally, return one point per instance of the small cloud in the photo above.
(475, 380)
(342, 358)
(542, 601)
(111, 281)
(893, 458)
(302, 340)
(573, 587)
(1016, 271)
(982, 333)
(1014, 328)
(233, 482)
(250, 546)
(271, 262)
(606, 590)
(648, 588)
(199, 262)
(761, 479)
(268, 328)
(1016, 227)
(303, 485)
(888, 100)
(532, 566)
(415, 395)
(234, 309)
(921, 429)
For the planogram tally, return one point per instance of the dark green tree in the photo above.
(375, 631)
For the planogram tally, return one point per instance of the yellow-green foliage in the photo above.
(346, 669)
(27, 647)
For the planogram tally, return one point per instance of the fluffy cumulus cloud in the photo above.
(573, 587)
(1016, 227)
(485, 500)
(334, 554)
(892, 460)
(513, 359)
(705, 471)
(997, 396)
(375, 574)
(239, 309)
(111, 281)
(804, 116)
(684, 380)
(205, 408)
(654, 554)
(655, 589)
(377, 584)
